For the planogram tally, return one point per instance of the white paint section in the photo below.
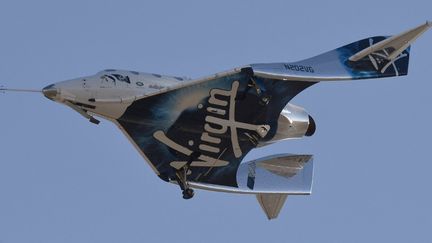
(208, 148)
(207, 138)
(234, 137)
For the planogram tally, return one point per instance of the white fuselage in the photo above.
(108, 93)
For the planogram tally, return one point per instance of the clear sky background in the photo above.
(63, 179)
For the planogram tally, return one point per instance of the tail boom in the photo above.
(373, 57)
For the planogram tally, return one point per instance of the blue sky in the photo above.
(63, 179)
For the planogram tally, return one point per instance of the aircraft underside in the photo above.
(196, 133)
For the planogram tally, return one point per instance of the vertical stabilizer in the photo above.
(271, 203)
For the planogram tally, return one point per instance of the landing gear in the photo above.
(181, 177)
(94, 120)
(188, 193)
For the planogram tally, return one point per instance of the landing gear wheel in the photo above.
(188, 193)
(181, 176)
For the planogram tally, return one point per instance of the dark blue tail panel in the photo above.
(375, 65)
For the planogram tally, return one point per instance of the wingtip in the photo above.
(428, 23)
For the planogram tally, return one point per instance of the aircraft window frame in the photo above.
(121, 78)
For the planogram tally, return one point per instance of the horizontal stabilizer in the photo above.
(287, 166)
(395, 45)
(271, 203)
(276, 174)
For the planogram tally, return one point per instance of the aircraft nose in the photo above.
(50, 91)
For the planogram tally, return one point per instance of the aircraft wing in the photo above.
(210, 124)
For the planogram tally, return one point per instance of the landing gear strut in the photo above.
(181, 177)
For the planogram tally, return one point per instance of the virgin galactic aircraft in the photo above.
(195, 133)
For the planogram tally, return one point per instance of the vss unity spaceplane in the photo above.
(195, 133)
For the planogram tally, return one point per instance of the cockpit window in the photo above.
(135, 72)
(121, 78)
(110, 70)
(116, 77)
(157, 75)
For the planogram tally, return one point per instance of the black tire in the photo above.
(188, 193)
